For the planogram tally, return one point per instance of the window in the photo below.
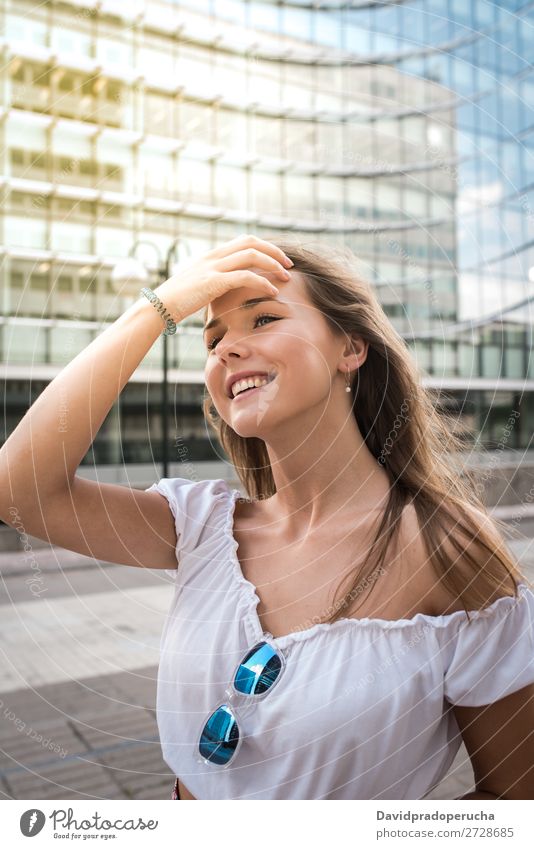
(112, 212)
(330, 197)
(357, 39)
(28, 288)
(40, 75)
(299, 141)
(299, 196)
(298, 88)
(328, 91)
(17, 157)
(65, 346)
(38, 160)
(153, 221)
(231, 130)
(491, 361)
(264, 82)
(87, 167)
(39, 282)
(230, 187)
(65, 208)
(113, 91)
(390, 272)
(359, 197)
(160, 113)
(25, 232)
(156, 173)
(414, 202)
(297, 22)
(196, 122)
(111, 172)
(266, 136)
(67, 81)
(387, 199)
(64, 163)
(194, 181)
(263, 16)
(115, 160)
(515, 362)
(393, 310)
(467, 360)
(24, 344)
(71, 32)
(63, 283)
(69, 236)
(266, 193)
(413, 129)
(112, 241)
(114, 45)
(194, 64)
(17, 279)
(328, 27)
(444, 358)
(329, 141)
(17, 70)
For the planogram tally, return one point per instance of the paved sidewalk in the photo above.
(78, 679)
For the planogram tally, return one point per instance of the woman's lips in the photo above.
(252, 391)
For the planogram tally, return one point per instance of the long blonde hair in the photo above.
(408, 436)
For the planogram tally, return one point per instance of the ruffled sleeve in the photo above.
(491, 656)
(192, 505)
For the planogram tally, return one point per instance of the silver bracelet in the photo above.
(170, 324)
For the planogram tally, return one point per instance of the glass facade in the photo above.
(402, 130)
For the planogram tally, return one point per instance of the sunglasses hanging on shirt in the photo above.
(254, 678)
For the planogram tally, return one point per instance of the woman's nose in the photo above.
(231, 344)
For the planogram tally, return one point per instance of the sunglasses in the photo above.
(254, 678)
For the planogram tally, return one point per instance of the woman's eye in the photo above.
(216, 339)
(259, 317)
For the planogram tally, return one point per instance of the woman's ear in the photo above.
(355, 352)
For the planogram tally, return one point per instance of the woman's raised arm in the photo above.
(39, 487)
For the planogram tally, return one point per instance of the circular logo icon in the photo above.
(32, 822)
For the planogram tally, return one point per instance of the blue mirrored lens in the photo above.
(220, 736)
(258, 670)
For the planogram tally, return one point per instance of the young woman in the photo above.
(337, 633)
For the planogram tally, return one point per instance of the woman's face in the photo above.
(287, 338)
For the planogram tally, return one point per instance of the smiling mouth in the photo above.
(253, 388)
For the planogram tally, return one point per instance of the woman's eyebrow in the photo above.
(244, 306)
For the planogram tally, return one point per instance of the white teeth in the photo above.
(248, 383)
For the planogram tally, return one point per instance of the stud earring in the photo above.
(347, 387)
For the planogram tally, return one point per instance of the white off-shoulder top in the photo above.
(363, 708)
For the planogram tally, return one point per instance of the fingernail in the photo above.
(288, 262)
(275, 290)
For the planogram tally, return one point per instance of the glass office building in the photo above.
(403, 131)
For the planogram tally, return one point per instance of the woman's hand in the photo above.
(224, 268)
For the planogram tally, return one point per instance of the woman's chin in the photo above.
(247, 427)
(249, 423)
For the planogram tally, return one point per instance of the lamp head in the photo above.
(128, 276)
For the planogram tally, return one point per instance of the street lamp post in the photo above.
(133, 274)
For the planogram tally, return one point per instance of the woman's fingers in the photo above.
(252, 258)
(247, 242)
(220, 270)
(249, 278)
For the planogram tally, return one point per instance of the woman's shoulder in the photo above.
(180, 488)
(201, 508)
(445, 601)
(484, 592)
